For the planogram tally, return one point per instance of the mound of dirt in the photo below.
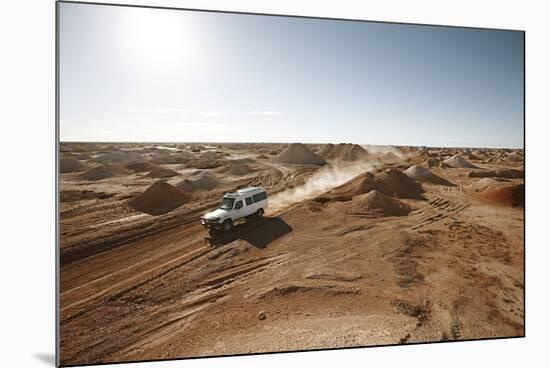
(119, 158)
(515, 157)
(435, 162)
(78, 147)
(353, 152)
(204, 181)
(187, 185)
(511, 173)
(420, 173)
(162, 172)
(375, 203)
(502, 173)
(299, 154)
(236, 167)
(209, 155)
(141, 167)
(171, 159)
(422, 151)
(204, 164)
(344, 152)
(207, 160)
(323, 151)
(499, 192)
(70, 164)
(480, 154)
(458, 161)
(159, 198)
(389, 157)
(360, 184)
(152, 150)
(493, 160)
(393, 182)
(104, 172)
(198, 148)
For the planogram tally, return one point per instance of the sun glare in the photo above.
(157, 39)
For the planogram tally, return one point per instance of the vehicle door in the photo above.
(249, 206)
(238, 210)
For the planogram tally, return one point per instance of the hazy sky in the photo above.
(133, 74)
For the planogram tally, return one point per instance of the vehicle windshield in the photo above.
(227, 203)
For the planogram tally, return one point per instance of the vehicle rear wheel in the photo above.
(260, 213)
(227, 225)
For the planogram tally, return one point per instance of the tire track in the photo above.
(127, 285)
(450, 201)
(209, 293)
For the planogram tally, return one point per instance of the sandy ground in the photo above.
(136, 286)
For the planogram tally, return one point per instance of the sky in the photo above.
(156, 75)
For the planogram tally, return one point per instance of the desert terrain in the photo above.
(361, 246)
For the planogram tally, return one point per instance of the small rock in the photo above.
(262, 315)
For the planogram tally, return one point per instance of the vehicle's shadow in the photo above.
(259, 233)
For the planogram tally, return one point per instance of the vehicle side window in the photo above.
(248, 201)
(259, 197)
(239, 205)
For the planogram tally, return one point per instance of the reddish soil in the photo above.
(339, 270)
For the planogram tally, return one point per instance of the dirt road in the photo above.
(324, 277)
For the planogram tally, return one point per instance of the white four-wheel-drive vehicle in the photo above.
(244, 203)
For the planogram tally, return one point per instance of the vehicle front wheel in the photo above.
(260, 213)
(227, 225)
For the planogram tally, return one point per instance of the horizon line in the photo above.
(287, 142)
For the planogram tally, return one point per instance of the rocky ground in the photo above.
(360, 247)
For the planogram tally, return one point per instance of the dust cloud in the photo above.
(324, 180)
